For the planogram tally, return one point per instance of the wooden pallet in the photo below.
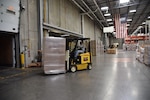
(111, 51)
(36, 64)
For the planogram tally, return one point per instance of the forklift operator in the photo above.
(80, 49)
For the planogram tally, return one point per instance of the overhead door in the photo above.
(9, 32)
(6, 51)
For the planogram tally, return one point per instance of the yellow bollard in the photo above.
(22, 60)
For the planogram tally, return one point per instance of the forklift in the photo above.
(79, 60)
(61, 55)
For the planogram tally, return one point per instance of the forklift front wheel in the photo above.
(89, 66)
(73, 69)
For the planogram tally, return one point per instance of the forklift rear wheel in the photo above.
(89, 66)
(73, 69)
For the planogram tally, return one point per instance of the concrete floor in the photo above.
(113, 77)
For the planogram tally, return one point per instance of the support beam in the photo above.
(100, 12)
(82, 9)
(61, 30)
(92, 13)
(82, 25)
(40, 23)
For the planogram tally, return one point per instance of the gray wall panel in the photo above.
(89, 28)
(64, 14)
(9, 15)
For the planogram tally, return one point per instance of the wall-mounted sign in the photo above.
(108, 29)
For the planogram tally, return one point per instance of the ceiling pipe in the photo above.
(144, 10)
(100, 12)
(82, 9)
(92, 13)
(135, 32)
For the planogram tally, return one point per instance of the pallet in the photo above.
(111, 51)
(36, 64)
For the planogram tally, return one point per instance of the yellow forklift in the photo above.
(79, 58)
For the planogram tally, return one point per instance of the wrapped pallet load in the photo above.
(147, 55)
(141, 57)
(137, 53)
(54, 55)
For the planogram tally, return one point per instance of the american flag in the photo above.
(120, 27)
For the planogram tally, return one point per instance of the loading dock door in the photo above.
(6, 51)
(9, 37)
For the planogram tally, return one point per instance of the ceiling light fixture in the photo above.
(64, 35)
(129, 20)
(148, 17)
(124, 1)
(132, 11)
(109, 20)
(123, 19)
(128, 25)
(143, 23)
(104, 8)
(108, 14)
(110, 23)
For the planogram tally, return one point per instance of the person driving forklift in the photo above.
(80, 55)
(80, 49)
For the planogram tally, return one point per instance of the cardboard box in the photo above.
(111, 51)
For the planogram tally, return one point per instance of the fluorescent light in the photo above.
(128, 25)
(109, 20)
(129, 20)
(124, 1)
(108, 14)
(148, 17)
(104, 8)
(65, 35)
(122, 19)
(111, 23)
(132, 11)
(143, 23)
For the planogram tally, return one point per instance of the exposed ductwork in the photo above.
(135, 32)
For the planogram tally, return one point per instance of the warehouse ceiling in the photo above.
(134, 12)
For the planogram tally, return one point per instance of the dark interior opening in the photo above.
(6, 50)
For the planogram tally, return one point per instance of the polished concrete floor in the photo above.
(113, 77)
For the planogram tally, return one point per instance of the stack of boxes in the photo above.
(93, 47)
(111, 51)
(130, 47)
(143, 52)
(141, 56)
(147, 55)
